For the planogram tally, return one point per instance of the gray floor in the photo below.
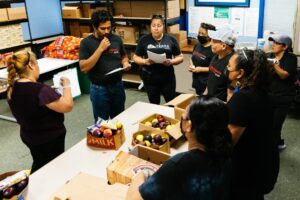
(15, 156)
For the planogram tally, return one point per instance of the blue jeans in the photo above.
(107, 100)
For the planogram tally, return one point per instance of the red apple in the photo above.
(107, 133)
(160, 118)
(157, 138)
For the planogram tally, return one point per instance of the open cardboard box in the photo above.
(85, 186)
(113, 142)
(71, 12)
(174, 132)
(164, 147)
(126, 165)
(180, 103)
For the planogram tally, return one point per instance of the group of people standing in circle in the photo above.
(233, 131)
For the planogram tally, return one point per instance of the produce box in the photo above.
(129, 34)
(164, 124)
(14, 185)
(16, 13)
(85, 186)
(106, 135)
(152, 139)
(180, 103)
(71, 12)
(3, 15)
(126, 165)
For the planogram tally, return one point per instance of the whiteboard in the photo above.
(244, 21)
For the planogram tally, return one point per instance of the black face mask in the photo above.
(226, 74)
(202, 39)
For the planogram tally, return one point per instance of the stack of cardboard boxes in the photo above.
(181, 37)
(11, 35)
(12, 14)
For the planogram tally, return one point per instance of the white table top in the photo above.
(46, 65)
(81, 158)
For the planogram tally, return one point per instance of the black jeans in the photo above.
(165, 87)
(44, 153)
(281, 106)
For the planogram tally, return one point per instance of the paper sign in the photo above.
(157, 58)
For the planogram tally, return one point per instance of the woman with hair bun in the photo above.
(37, 108)
(255, 160)
(204, 171)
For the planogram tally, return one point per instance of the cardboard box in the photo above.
(173, 28)
(174, 132)
(123, 12)
(71, 12)
(85, 186)
(114, 142)
(122, 4)
(75, 28)
(180, 103)
(164, 147)
(129, 34)
(88, 9)
(183, 43)
(16, 13)
(126, 165)
(3, 15)
(182, 4)
(181, 35)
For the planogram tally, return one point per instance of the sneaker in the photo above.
(281, 145)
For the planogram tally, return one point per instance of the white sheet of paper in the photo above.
(71, 74)
(157, 58)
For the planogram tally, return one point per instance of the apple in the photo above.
(162, 125)
(160, 118)
(154, 121)
(155, 124)
(157, 138)
(167, 122)
(119, 125)
(9, 192)
(148, 138)
(140, 138)
(107, 133)
(147, 143)
(147, 123)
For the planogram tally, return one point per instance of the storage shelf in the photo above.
(12, 1)
(10, 22)
(12, 48)
(132, 78)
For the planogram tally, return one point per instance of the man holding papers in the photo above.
(102, 54)
(157, 53)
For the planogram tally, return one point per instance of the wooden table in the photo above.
(81, 158)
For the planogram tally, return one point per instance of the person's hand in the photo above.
(148, 62)
(167, 62)
(104, 44)
(126, 66)
(192, 68)
(64, 82)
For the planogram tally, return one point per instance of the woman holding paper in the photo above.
(37, 108)
(158, 73)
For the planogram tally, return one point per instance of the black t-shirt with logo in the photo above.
(217, 80)
(189, 175)
(108, 61)
(255, 157)
(167, 45)
(201, 58)
(284, 87)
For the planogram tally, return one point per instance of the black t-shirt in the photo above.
(167, 45)
(201, 58)
(39, 124)
(189, 175)
(108, 61)
(284, 87)
(255, 158)
(217, 80)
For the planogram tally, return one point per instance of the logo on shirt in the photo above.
(215, 71)
(199, 55)
(112, 51)
(158, 46)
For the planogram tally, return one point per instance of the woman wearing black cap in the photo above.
(201, 173)
(255, 158)
(158, 78)
(202, 55)
(282, 87)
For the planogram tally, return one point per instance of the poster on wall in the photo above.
(240, 3)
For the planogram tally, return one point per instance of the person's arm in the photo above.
(65, 103)
(280, 71)
(133, 190)
(142, 61)
(125, 63)
(88, 64)
(236, 132)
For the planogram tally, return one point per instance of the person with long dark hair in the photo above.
(282, 89)
(158, 78)
(255, 156)
(201, 57)
(204, 171)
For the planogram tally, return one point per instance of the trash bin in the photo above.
(84, 82)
